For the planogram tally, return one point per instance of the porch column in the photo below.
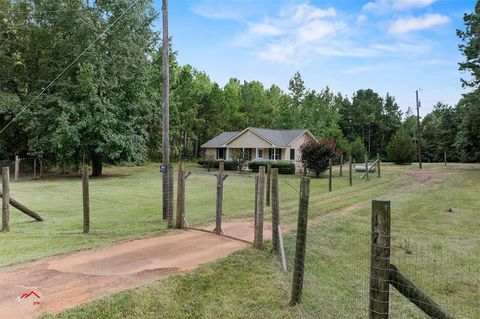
(256, 153)
(226, 155)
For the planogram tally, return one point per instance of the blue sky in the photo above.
(394, 46)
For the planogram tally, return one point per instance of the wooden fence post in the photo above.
(218, 219)
(378, 165)
(304, 168)
(445, 157)
(380, 260)
(269, 180)
(341, 165)
(275, 211)
(258, 243)
(181, 197)
(255, 214)
(330, 164)
(170, 222)
(350, 170)
(366, 167)
(6, 199)
(17, 168)
(299, 265)
(35, 168)
(86, 201)
(41, 167)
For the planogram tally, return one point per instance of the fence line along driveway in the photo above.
(66, 281)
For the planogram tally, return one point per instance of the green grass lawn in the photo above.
(126, 204)
(437, 249)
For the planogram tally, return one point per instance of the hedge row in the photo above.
(284, 167)
(228, 165)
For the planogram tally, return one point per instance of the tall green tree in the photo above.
(97, 109)
(468, 137)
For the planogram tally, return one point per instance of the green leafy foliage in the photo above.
(358, 150)
(401, 149)
(318, 153)
(284, 167)
(228, 165)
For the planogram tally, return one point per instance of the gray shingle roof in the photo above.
(280, 138)
(219, 140)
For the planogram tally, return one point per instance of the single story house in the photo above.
(259, 144)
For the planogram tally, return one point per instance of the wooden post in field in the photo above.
(378, 165)
(170, 222)
(366, 167)
(330, 164)
(181, 197)
(86, 201)
(258, 242)
(6, 199)
(445, 157)
(17, 168)
(255, 213)
(304, 168)
(41, 167)
(341, 165)
(299, 265)
(218, 219)
(165, 110)
(275, 211)
(350, 170)
(380, 260)
(35, 168)
(269, 180)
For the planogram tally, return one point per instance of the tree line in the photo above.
(106, 107)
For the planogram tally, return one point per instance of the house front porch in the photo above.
(259, 154)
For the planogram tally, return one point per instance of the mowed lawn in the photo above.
(126, 203)
(436, 248)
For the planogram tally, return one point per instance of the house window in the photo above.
(221, 152)
(275, 154)
(292, 154)
(260, 153)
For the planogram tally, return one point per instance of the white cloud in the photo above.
(384, 6)
(406, 4)
(405, 25)
(264, 29)
(296, 30)
(361, 18)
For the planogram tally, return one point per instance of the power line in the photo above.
(68, 66)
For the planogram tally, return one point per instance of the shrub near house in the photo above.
(284, 167)
(318, 153)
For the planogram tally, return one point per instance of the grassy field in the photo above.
(437, 249)
(126, 204)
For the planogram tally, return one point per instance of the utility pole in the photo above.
(419, 129)
(166, 107)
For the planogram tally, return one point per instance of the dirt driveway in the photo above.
(66, 281)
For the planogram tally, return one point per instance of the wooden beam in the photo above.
(417, 296)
